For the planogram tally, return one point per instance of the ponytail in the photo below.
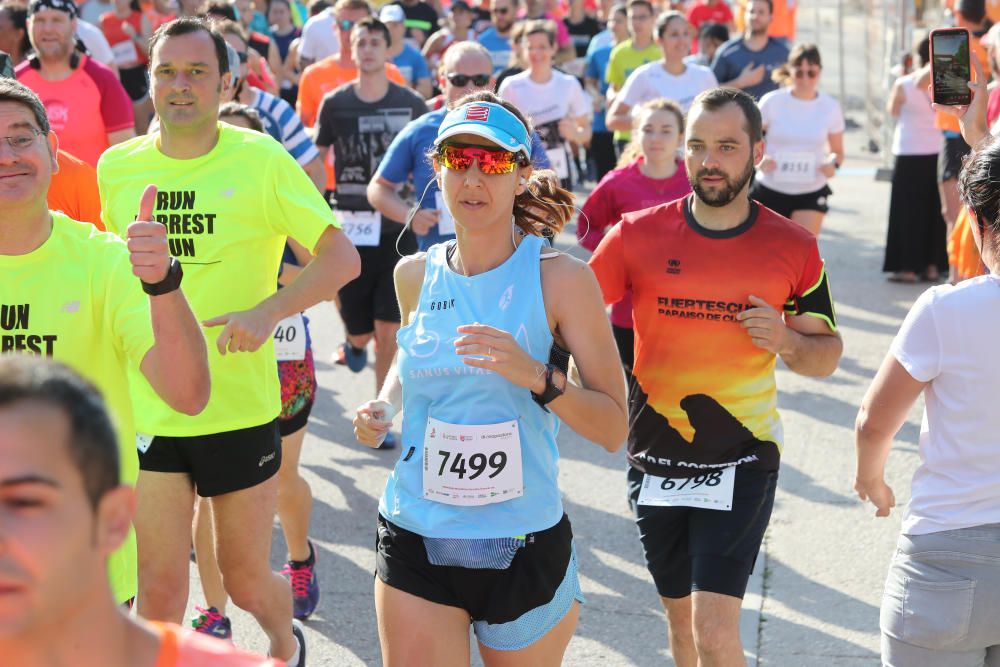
(544, 208)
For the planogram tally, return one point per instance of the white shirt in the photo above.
(915, 133)
(651, 81)
(797, 133)
(319, 36)
(949, 340)
(96, 43)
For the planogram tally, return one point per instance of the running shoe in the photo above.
(211, 622)
(305, 584)
(355, 358)
(389, 442)
(300, 637)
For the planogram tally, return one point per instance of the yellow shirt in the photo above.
(75, 299)
(227, 214)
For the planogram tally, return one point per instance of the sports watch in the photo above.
(555, 386)
(171, 282)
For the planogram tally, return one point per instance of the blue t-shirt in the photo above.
(407, 155)
(733, 56)
(597, 65)
(499, 47)
(411, 64)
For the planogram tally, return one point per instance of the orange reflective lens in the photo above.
(460, 158)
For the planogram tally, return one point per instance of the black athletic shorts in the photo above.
(950, 158)
(221, 462)
(785, 205)
(692, 549)
(493, 596)
(372, 295)
(135, 81)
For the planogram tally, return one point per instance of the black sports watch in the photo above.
(171, 282)
(555, 386)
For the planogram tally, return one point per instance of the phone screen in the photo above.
(950, 67)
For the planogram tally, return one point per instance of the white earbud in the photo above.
(524, 181)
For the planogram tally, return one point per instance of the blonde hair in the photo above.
(633, 151)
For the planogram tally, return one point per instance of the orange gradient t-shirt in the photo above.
(705, 395)
(74, 190)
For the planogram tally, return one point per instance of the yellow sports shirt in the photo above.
(227, 215)
(75, 299)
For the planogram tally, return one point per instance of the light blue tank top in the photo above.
(437, 384)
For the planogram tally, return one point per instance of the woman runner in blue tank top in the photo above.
(471, 526)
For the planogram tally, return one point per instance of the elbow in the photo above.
(194, 397)
(615, 436)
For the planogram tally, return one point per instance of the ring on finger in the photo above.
(489, 352)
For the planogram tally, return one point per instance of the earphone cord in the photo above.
(410, 215)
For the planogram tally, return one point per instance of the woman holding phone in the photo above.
(804, 130)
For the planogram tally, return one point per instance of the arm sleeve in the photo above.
(591, 70)
(579, 102)
(722, 69)
(293, 135)
(295, 207)
(306, 105)
(399, 160)
(308, 40)
(420, 68)
(562, 34)
(614, 74)
(608, 263)
(836, 119)
(812, 290)
(116, 106)
(631, 93)
(325, 130)
(595, 217)
(917, 346)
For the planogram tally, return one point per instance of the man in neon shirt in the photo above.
(711, 318)
(228, 225)
(86, 103)
(71, 293)
(64, 509)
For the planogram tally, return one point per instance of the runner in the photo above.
(553, 101)
(284, 33)
(670, 78)
(805, 142)
(629, 55)
(458, 28)
(710, 319)
(100, 318)
(14, 31)
(404, 55)
(703, 12)
(942, 582)
(446, 555)
(358, 121)
(496, 38)
(320, 38)
(73, 190)
(543, 10)
(746, 62)
(128, 31)
(710, 37)
(466, 70)
(230, 233)
(89, 108)
(650, 173)
(602, 144)
(421, 20)
(66, 509)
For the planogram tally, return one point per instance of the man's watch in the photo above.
(555, 386)
(171, 282)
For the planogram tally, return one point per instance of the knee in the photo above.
(162, 594)
(714, 637)
(248, 590)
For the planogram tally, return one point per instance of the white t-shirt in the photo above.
(319, 36)
(651, 81)
(797, 132)
(96, 43)
(545, 104)
(915, 132)
(949, 340)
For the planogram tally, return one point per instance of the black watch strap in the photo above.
(551, 392)
(170, 283)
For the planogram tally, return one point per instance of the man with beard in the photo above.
(721, 287)
(747, 61)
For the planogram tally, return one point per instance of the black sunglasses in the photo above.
(462, 80)
(501, 10)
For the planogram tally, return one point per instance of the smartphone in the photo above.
(951, 69)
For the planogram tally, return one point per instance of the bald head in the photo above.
(470, 61)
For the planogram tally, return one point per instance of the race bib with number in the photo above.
(142, 442)
(795, 168)
(709, 490)
(363, 227)
(558, 161)
(290, 339)
(125, 53)
(446, 223)
(472, 465)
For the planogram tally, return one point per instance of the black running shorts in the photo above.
(693, 549)
(221, 462)
(372, 295)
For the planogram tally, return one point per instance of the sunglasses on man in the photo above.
(462, 80)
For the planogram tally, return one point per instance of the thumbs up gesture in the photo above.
(147, 242)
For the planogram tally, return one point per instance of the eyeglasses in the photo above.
(345, 24)
(491, 162)
(22, 141)
(501, 10)
(462, 80)
(803, 73)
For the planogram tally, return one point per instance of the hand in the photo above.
(372, 422)
(568, 130)
(829, 168)
(768, 164)
(972, 118)
(128, 29)
(497, 351)
(244, 330)
(147, 242)
(765, 325)
(750, 76)
(878, 492)
(424, 219)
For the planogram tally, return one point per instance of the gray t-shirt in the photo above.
(734, 55)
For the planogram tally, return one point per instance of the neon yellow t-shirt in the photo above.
(624, 60)
(227, 214)
(75, 299)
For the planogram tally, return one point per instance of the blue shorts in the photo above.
(511, 608)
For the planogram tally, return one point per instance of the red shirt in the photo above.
(622, 191)
(127, 52)
(701, 12)
(83, 108)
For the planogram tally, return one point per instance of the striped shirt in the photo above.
(281, 122)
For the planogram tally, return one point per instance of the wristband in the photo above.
(171, 282)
